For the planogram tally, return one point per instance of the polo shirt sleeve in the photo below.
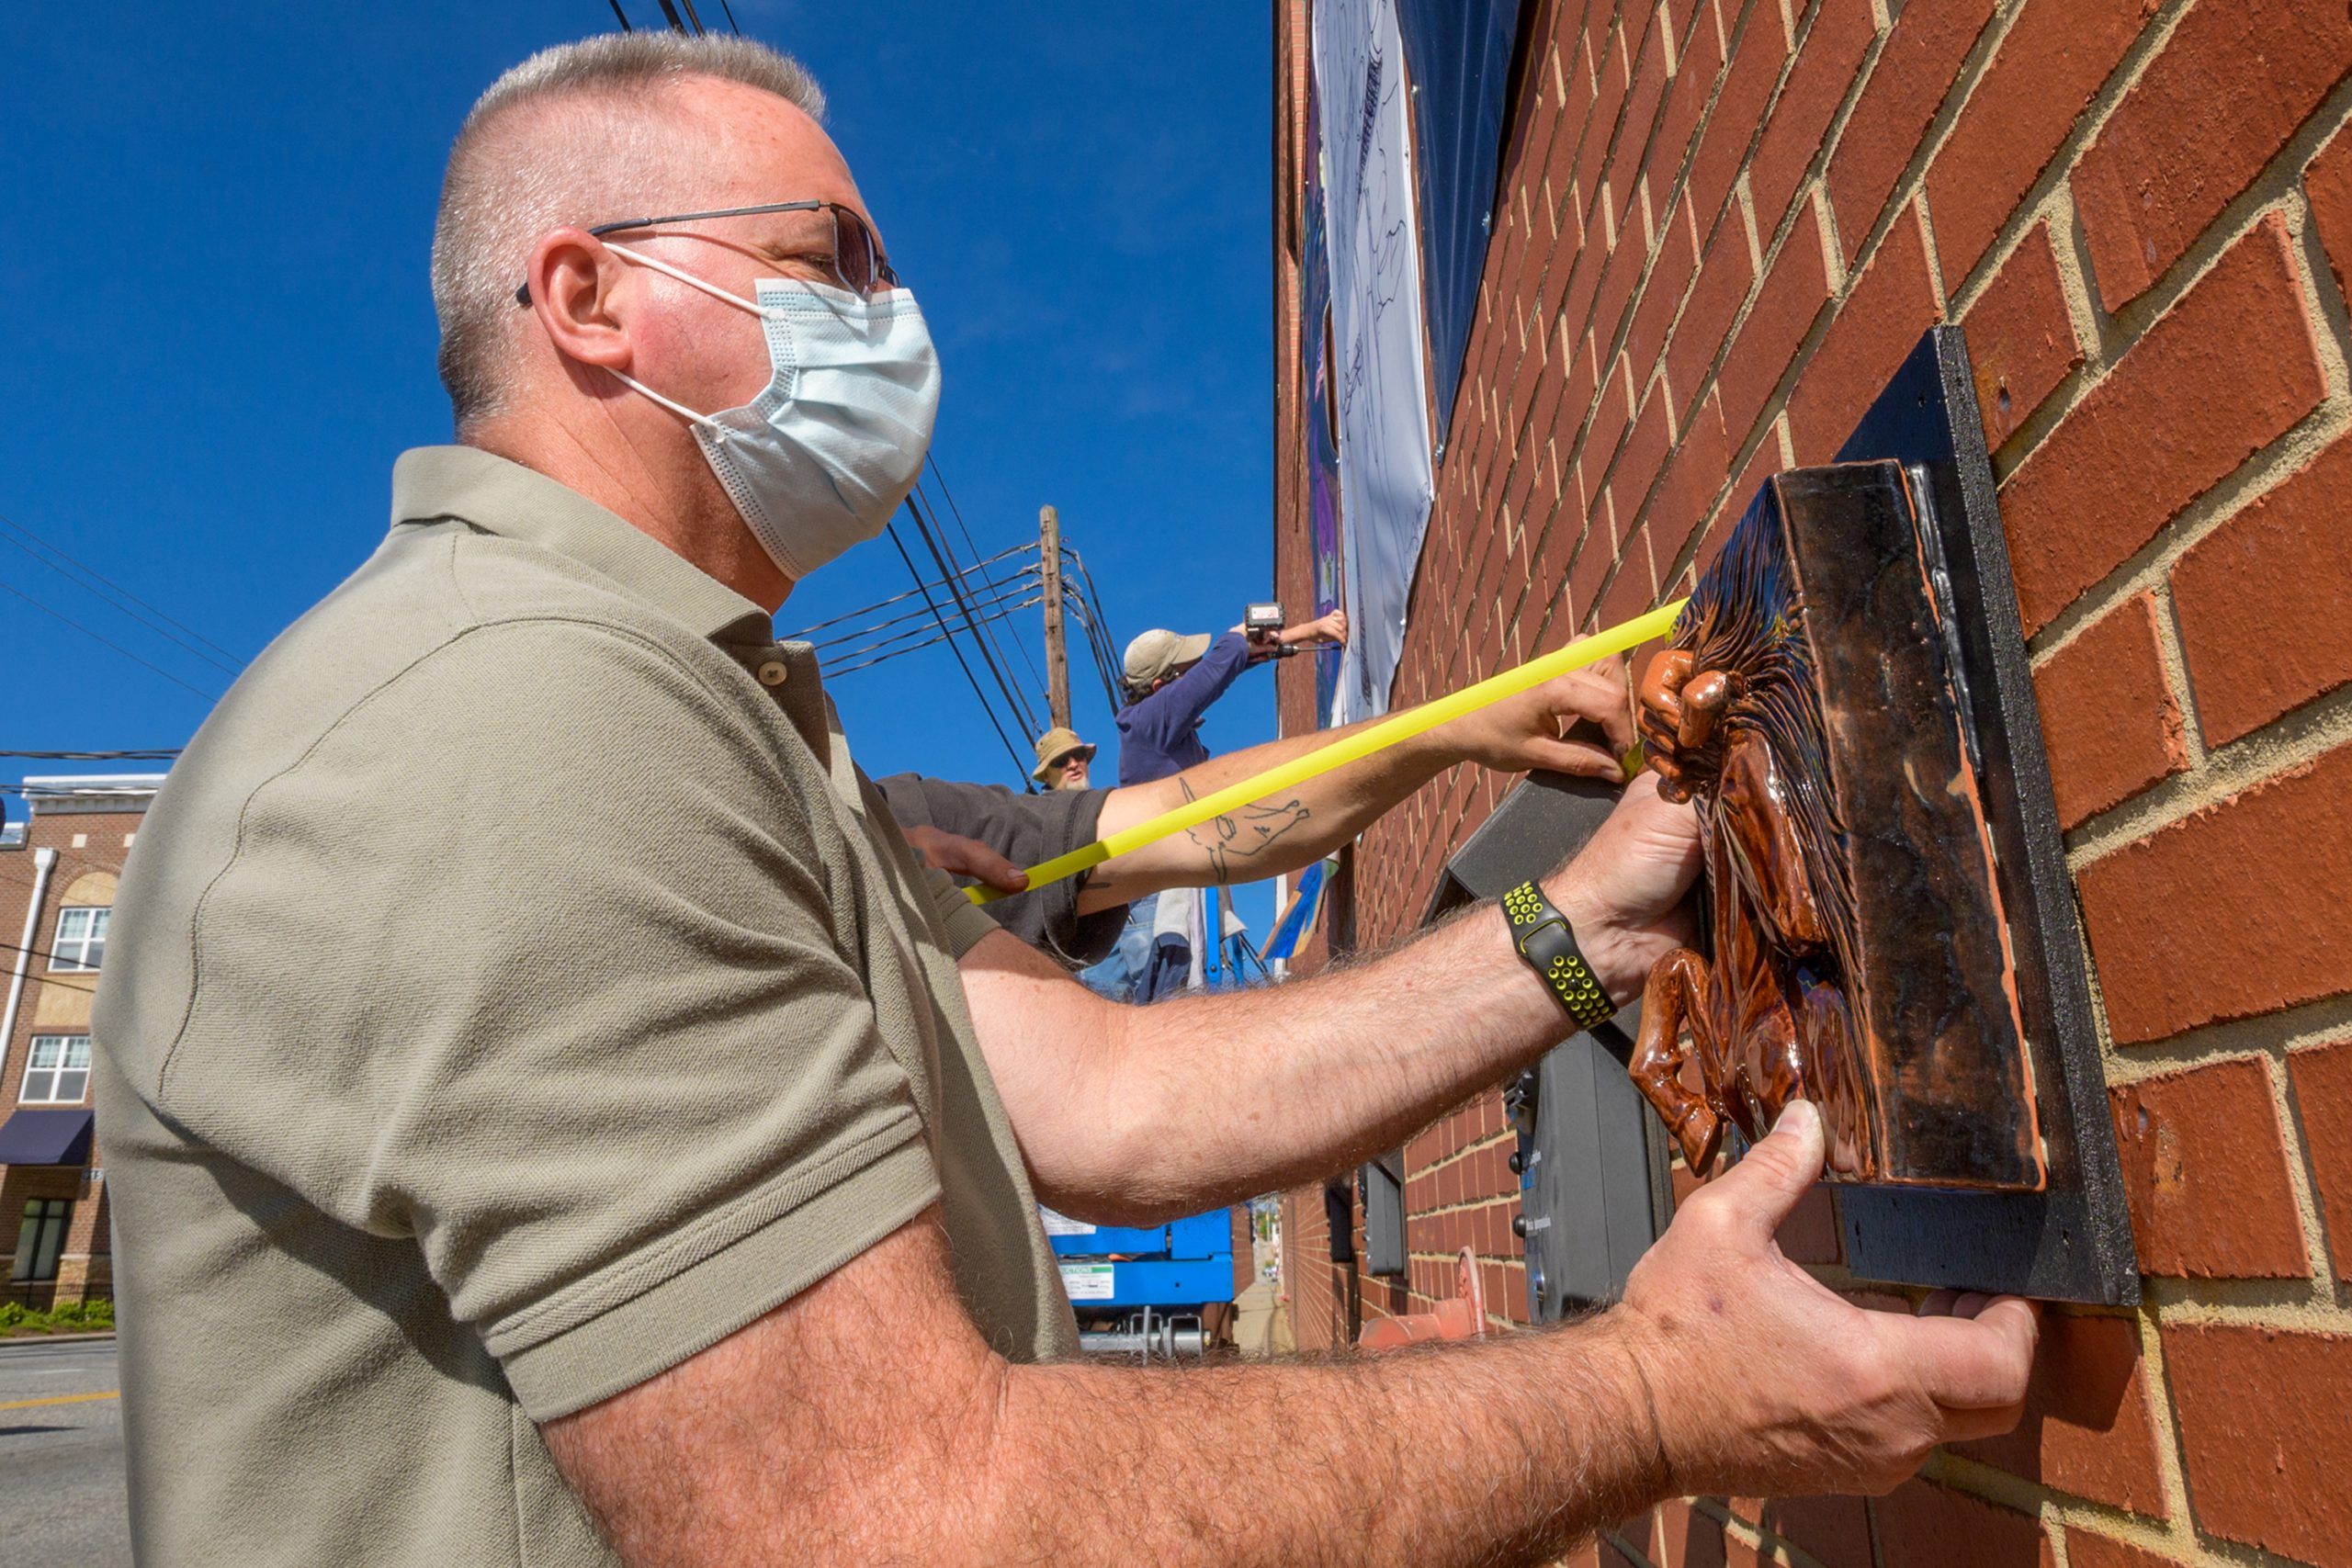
(584, 1007)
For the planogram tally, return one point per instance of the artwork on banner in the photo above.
(1322, 418)
(1372, 234)
(1459, 54)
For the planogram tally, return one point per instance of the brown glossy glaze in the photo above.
(1856, 953)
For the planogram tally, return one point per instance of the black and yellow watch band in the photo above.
(1545, 940)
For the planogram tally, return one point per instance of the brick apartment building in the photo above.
(1720, 225)
(58, 871)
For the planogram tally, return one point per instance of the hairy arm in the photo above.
(1134, 1114)
(865, 1420)
(1297, 827)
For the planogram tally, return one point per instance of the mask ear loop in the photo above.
(692, 281)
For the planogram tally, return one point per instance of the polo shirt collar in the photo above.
(503, 497)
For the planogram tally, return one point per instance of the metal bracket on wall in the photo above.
(2072, 1241)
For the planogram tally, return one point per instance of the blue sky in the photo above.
(219, 334)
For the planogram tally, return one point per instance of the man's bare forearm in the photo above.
(810, 1436)
(1500, 1453)
(1207, 1099)
(1291, 828)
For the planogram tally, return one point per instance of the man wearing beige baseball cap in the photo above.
(1172, 678)
(1062, 760)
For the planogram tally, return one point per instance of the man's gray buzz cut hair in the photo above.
(603, 138)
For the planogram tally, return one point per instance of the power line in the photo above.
(899, 545)
(935, 536)
(808, 632)
(1004, 684)
(995, 608)
(619, 16)
(939, 481)
(54, 615)
(155, 754)
(89, 570)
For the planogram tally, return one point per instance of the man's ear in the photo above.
(575, 283)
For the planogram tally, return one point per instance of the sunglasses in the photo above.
(859, 263)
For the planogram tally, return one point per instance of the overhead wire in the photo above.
(94, 637)
(88, 570)
(1013, 703)
(916, 622)
(935, 538)
(939, 482)
(834, 654)
(900, 546)
(807, 633)
(995, 588)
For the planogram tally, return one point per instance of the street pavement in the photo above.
(60, 1464)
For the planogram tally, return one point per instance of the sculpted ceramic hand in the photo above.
(1729, 718)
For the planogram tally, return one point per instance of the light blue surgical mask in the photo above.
(822, 457)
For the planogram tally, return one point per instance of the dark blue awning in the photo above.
(45, 1137)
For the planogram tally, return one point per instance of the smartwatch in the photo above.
(1543, 936)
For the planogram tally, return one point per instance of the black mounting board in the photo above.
(2072, 1241)
(1595, 1189)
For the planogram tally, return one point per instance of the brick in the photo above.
(1792, 295)
(2108, 715)
(2322, 1078)
(1915, 69)
(2227, 89)
(1921, 1525)
(1724, 278)
(2022, 339)
(1875, 329)
(1633, 589)
(1625, 160)
(1594, 149)
(2088, 1428)
(1694, 79)
(1638, 465)
(1610, 414)
(1692, 477)
(2086, 1551)
(1617, 280)
(2050, 65)
(2263, 1435)
(1833, 1531)
(1809, 1233)
(2328, 183)
(2223, 374)
(1756, 56)
(2260, 602)
(2213, 916)
(1827, 62)
(1677, 263)
(1680, 1536)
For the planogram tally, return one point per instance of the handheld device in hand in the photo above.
(1261, 622)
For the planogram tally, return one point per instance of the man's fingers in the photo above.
(1965, 1426)
(1766, 1184)
(960, 856)
(1574, 757)
(1972, 1363)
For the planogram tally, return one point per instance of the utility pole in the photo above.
(1049, 559)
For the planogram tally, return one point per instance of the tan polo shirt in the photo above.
(515, 991)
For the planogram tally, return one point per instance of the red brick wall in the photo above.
(1723, 224)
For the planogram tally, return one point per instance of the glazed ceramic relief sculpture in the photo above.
(1857, 953)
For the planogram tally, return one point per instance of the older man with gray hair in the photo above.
(552, 1118)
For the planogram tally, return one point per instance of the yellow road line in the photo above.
(60, 1399)
(1338, 753)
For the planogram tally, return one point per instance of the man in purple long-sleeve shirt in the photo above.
(1172, 681)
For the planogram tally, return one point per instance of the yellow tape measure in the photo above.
(1350, 748)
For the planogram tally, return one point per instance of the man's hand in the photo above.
(960, 856)
(1768, 1383)
(1333, 628)
(1521, 733)
(1626, 892)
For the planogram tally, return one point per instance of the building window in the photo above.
(59, 1071)
(80, 940)
(41, 1239)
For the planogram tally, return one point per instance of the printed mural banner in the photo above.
(1325, 547)
(1386, 484)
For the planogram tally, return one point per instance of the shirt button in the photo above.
(773, 673)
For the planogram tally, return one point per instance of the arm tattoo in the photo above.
(1244, 834)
